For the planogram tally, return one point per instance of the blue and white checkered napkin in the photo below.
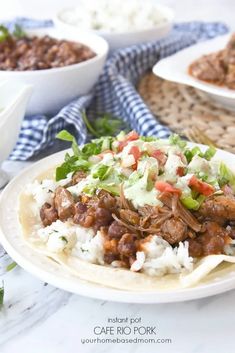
(114, 93)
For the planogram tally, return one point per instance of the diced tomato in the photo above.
(200, 186)
(159, 155)
(180, 171)
(132, 136)
(135, 151)
(163, 186)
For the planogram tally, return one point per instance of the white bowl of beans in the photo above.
(60, 66)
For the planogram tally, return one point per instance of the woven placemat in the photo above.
(182, 107)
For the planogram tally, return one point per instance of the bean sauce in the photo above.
(40, 53)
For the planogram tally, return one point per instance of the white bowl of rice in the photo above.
(121, 23)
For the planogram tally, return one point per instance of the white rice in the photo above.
(42, 192)
(161, 258)
(90, 249)
(58, 237)
(157, 257)
(114, 16)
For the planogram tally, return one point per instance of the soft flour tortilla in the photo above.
(206, 269)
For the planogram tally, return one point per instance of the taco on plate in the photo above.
(133, 212)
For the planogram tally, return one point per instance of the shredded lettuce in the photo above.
(107, 143)
(121, 136)
(79, 161)
(91, 149)
(226, 176)
(66, 136)
(134, 177)
(102, 172)
(150, 184)
(73, 164)
(176, 140)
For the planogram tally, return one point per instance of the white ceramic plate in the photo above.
(49, 271)
(175, 68)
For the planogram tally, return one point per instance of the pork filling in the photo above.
(125, 229)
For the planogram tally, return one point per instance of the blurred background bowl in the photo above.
(56, 87)
(14, 98)
(221, 96)
(121, 39)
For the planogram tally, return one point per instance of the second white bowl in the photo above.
(123, 39)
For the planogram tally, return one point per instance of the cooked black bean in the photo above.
(48, 214)
(116, 230)
(103, 217)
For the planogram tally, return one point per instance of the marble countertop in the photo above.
(39, 318)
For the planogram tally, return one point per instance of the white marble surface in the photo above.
(38, 318)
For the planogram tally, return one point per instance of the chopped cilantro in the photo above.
(107, 125)
(64, 239)
(103, 126)
(83, 250)
(4, 33)
(11, 266)
(18, 32)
